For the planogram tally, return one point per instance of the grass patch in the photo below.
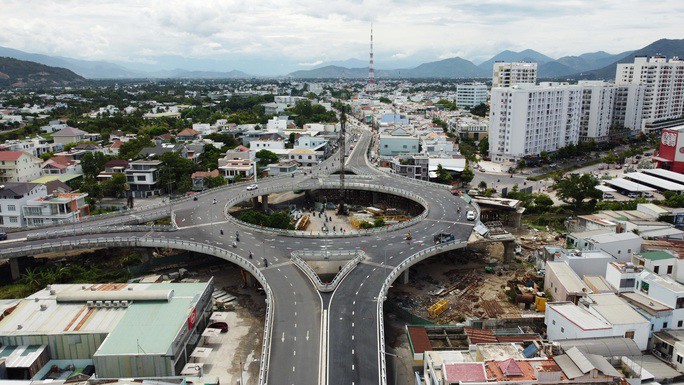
(16, 290)
(551, 174)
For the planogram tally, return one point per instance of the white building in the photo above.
(55, 208)
(598, 101)
(598, 315)
(142, 177)
(471, 94)
(69, 135)
(398, 142)
(243, 168)
(666, 291)
(271, 145)
(277, 124)
(526, 120)
(35, 146)
(512, 73)
(620, 245)
(306, 157)
(13, 198)
(586, 262)
(623, 276)
(19, 166)
(664, 86)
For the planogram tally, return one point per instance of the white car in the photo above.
(470, 215)
(252, 187)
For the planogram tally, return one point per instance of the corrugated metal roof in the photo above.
(566, 277)
(604, 346)
(615, 310)
(568, 367)
(418, 338)
(580, 317)
(583, 364)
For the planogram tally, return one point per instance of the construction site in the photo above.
(477, 282)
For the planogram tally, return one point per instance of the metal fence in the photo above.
(168, 243)
(98, 230)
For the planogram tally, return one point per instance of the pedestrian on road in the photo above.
(221, 231)
(250, 254)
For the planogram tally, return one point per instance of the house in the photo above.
(114, 166)
(56, 208)
(69, 135)
(603, 315)
(412, 166)
(13, 198)
(199, 176)
(19, 166)
(58, 165)
(240, 152)
(267, 144)
(187, 135)
(585, 262)
(142, 177)
(113, 149)
(312, 143)
(241, 168)
(657, 313)
(563, 283)
(284, 167)
(666, 291)
(306, 157)
(397, 142)
(659, 262)
(623, 276)
(579, 367)
(620, 245)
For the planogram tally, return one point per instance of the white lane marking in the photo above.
(283, 337)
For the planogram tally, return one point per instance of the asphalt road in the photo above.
(352, 354)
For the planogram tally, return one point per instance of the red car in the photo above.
(219, 325)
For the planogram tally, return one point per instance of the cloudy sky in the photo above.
(266, 37)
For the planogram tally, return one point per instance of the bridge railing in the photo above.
(356, 258)
(169, 243)
(413, 259)
(308, 185)
(98, 230)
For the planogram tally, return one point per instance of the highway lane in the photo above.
(352, 342)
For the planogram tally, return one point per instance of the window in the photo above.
(11, 208)
(553, 322)
(669, 269)
(140, 178)
(629, 334)
(562, 330)
(13, 219)
(656, 269)
(680, 324)
(680, 303)
(664, 325)
(679, 359)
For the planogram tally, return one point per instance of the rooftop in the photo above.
(657, 255)
(464, 372)
(566, 276)
(578, 316)
(644, 302)
(615, 310)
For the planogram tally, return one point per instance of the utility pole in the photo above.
(343, 149)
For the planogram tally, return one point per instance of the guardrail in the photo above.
(169, 243)
(329, 185)
(99, 230)
(309, 271)
(413, 259)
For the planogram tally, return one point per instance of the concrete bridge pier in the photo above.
(405, 277)
(19, 265)
(264, 202)
(509, 251)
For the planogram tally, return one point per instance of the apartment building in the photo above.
(411, 166)
(13, 198)
(663, 81)
(399, 141)
(598, 101)
(507, 74)
(526, 120)
(19, 166)
(471, 94)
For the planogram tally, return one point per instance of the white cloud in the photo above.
(317, 62)
(287, 32)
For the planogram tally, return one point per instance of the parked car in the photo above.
(601, 167)
(252, 187)
(219, 325)
(633, 195)
(618, 166)
(608, 196)
(470, 215)
(648, 195)
(3, 236)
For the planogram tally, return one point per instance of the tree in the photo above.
(132, 148)
(94, 163)
(176, 170)
(92, 188)
(214, 181)
(443, 175)
(480, 110)
(483, 146)
(115, 186)
(575, 188)
(385, 100)
(482, 185)
(208, 160)
(266, 157)
(466, 176)
(542, 201)
(379, 222)
(291, 138)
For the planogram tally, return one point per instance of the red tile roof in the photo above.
(464, 372)
(510, 368)
(188, 132)
(10, 155)
(479, 336)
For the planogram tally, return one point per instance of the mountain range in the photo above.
(594, 65)
(21, 73)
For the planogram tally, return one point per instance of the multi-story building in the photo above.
(598, 101)
(306, 157)
(142, 177)
(663, 81)
(34, 146)
(55, 208)
(526, 120)
(471, 94)
(19, 166)
(13, 198)
(397, 142)
(231, 168)
(508, 74)
(411, 166)
(69, 135)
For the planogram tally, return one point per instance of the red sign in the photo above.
(668, 145)
(192, 318)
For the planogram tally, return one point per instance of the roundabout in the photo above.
(311, 336)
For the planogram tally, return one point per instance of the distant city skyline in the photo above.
(276, 37)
